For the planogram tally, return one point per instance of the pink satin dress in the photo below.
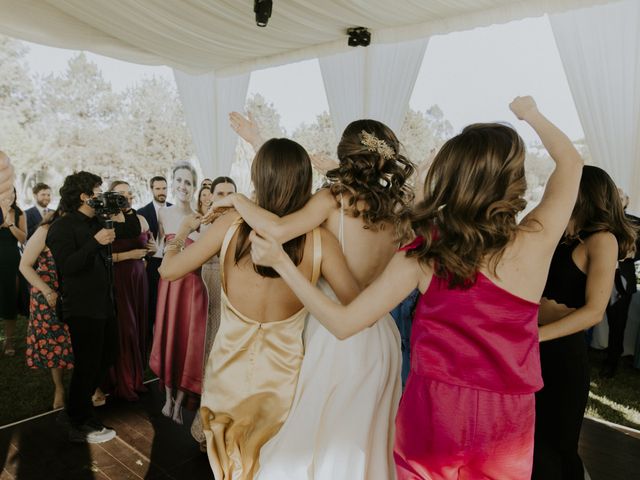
(468, 409)
(179, 334)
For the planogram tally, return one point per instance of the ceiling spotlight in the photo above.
(262, 9)
(359, 37)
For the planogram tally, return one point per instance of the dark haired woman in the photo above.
(13, 230)
(48, 340)
(468, 407)
(253, 366)
(575, 298)
(126, 376)
(354, 383)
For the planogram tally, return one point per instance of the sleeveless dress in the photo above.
(48, 340)
(126, 377)
(178, 338)
(561, 403)
(468, 407)
(341, 424)
(250, 380)
(9, 262)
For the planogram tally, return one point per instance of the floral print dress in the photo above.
(48, 340)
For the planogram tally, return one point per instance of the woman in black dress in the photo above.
(13, 230)
(575, 298)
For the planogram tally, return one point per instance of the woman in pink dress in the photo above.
(181, 313)
(468, 408)
(125, 379)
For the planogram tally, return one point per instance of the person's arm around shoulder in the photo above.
(602, 261)
(283, 229)
(178, 261)
(377, 300)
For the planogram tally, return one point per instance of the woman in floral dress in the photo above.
(48, 341)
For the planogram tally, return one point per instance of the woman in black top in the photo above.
(13, 229)
(575, 298)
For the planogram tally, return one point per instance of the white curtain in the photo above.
(600, 51)
(372, 82)
(207, 101)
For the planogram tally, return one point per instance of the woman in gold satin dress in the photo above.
(253, 367)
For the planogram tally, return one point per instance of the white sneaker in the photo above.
(91, 434)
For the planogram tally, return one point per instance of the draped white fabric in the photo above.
(207, 101)
(199, 36)
(600, 51)
(374, 82)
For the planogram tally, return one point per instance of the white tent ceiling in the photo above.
(199, 36)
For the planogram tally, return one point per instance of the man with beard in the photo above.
(35, 214)
(158, 187)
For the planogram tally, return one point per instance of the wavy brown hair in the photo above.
(281, 174)
(371, 178)
(473, 191)
(599, 208)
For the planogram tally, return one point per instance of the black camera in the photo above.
(262, 9)
(108, 203)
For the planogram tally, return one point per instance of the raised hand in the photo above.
(6, 176)
(265, 250)
(246, 128)
(523, 106)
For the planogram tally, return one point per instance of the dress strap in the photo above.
(225, 245)
(341, 230)
(317, 255)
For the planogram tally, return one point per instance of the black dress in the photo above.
(9, 262)
(561, 403)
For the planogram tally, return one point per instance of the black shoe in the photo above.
(608, 370)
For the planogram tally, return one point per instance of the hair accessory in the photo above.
(374, 144)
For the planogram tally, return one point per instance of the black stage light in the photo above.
(262, 9)
(359, 37)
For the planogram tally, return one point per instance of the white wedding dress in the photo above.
(342, 421)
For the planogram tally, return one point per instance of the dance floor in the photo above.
(150, 446)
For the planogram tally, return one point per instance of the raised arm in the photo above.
(283, 229)
(7, 176)
(560, 195)
(400, 277)
(335, 270)
(176, 263)
(602, 255)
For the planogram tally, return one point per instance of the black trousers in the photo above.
(94, 342)
(560, 407)
(617, 318)
(153, 277)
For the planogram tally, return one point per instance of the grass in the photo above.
(25, 392)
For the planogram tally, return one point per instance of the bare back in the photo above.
(367, 251)
(264, 299)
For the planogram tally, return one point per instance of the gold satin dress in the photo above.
(250, 380)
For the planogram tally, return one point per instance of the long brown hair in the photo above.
(473, 191)
(374, 176)
(599, 208)
(282, 176)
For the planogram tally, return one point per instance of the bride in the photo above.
(341, 422)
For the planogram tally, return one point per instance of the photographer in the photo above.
(78, 242)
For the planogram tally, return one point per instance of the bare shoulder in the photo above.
(601, 241)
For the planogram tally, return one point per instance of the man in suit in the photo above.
(35, 214)
(158, 186)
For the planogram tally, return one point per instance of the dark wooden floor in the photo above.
(150, 446)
